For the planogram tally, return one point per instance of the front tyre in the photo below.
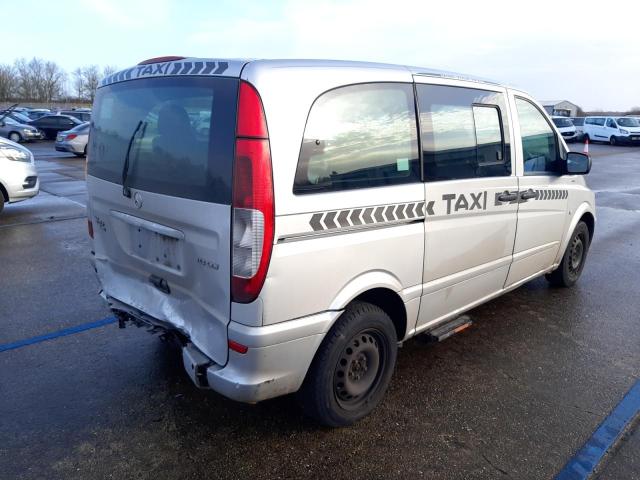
(352, 368)
(15, 137)
(613, 141)
(569, 270)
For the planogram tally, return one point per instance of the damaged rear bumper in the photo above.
(275, 363)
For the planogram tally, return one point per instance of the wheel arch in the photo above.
(379, 288)
(583, 213)
(4, 193)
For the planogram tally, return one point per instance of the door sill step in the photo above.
(446, 330)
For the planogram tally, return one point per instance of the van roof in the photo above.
(233, 68)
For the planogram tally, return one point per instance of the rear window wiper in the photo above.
(126, 191)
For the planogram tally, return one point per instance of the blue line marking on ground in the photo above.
(583, 463)
(59, 333)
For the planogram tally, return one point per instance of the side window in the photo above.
(600, 122)
(462, 133)
(489, 141)
(611, 123)
(359, 136)
(539, 143)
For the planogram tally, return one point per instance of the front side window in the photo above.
(539, 143)
(611, 123)
(628, 122)
(463, 135)
(359, 136)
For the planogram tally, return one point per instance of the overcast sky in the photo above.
(553, 49)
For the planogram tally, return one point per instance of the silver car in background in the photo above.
(18, 175)
(74, 140)
(18, 132)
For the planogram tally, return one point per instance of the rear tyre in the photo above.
(569, 270)
(15, 137)
(352, 368)
(1, 202)
(585, 138)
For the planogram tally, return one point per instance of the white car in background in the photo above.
(74, 140)
(578, 122)
(566, 128)
(18, 175)
(614, 130)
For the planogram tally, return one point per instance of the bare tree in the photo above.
(8, 80)
(53, 81)
(109, 70)
(78, 83)
(635, 111)
(92, 78)
(25, 87)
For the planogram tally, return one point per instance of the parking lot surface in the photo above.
(515, 396)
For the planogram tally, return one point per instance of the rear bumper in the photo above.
(275, 364)
(68, 147)
(276, 361)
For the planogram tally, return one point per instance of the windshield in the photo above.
(628, 122)
(186, 148)
(9, 121)
(20, 117)
(562, 122)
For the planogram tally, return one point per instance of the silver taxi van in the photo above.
(294, 221)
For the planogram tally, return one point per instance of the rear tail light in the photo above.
(90, 228)
(71, 136)
(253, 205)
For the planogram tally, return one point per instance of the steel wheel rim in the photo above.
(359, 368)
(576, 253)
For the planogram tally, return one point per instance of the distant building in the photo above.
(563, 108)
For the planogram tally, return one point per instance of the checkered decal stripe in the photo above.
(365, 216)
(552, 194)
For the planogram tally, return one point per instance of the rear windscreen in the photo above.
(177, 132)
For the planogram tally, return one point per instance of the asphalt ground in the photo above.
(515, 396)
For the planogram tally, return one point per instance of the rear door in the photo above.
(162, 240)
(470, 192)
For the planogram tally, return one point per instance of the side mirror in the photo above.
(578, 163)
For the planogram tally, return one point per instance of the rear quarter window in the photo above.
(359, 136)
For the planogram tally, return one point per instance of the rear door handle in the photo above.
(528, 194)
(508, 196)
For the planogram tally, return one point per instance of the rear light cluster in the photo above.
(253, 206)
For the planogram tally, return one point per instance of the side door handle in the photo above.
(528, 194)
(508, 196)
